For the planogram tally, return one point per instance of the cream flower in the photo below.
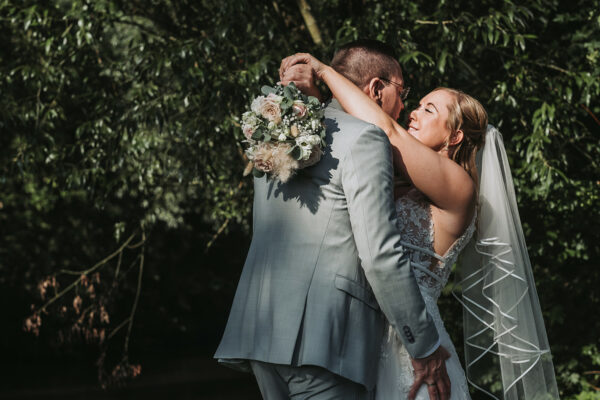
(294, 131)
(270, 110)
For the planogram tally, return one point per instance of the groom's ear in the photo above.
(374, 88)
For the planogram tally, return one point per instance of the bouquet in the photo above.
(284, 131)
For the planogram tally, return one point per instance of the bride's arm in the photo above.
(443, 181)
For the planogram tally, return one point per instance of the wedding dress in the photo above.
(505, 337)
(395, 371)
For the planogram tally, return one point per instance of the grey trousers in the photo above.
(284, 382)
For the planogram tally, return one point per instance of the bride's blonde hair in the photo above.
(468, 115)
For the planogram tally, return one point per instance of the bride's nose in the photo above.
(412, 115)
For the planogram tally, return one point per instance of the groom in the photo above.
(326, 260)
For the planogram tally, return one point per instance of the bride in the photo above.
(438, 206)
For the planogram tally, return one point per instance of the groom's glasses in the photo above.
(403, 93)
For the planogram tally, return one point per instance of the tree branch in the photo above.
(137, 297)
(223, 226)
(84, 273)
(425, 22)
(310, 22)
(591, 113)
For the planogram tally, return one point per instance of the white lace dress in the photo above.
(396, 374)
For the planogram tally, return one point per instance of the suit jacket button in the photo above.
(408, 334)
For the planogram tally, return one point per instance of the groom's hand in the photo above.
(431, 371)
(303, 77)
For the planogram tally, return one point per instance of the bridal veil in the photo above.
(503, 325)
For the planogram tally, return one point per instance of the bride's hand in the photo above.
(431, 371)
(302, 58)
(303, 77)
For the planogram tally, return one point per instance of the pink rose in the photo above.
(299, 109)
(248, 131)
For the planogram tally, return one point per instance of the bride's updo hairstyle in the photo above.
(468, 115)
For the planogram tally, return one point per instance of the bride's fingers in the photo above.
(443, 384)
(282, 67)
(299, 58)
(433, 392)
(419, 381)
(299, 72)
(442, 390)
(448, 385)
(285, 64)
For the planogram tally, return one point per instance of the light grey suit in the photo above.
(325, 257)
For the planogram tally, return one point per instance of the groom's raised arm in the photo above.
(368, 185)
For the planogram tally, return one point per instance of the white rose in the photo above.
(250, 118)
(274, 98)
(306, 150)
(305, 141)
(250, 152)
(305, 145)
(314, 140)
(257, 104)
(282, 138)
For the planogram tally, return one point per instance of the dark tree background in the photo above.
(124, 217)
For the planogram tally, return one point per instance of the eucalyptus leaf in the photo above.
(266, 90)
(296, 152)
(258, 134)
(313, 101)
(289, 93)
(257, 173)
(286, 103)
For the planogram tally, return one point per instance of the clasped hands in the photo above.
(304, 70)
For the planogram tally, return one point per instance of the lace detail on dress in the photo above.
(395, 373)
(415, 223)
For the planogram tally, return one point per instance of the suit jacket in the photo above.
(325, 260)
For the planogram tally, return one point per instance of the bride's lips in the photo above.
(411, 129)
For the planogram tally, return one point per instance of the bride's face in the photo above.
(428, 122)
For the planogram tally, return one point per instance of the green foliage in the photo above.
(118, 116)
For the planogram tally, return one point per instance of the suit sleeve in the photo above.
(367, 181)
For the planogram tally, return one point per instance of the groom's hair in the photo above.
(362, 60)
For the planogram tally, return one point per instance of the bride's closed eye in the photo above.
(427, 109)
